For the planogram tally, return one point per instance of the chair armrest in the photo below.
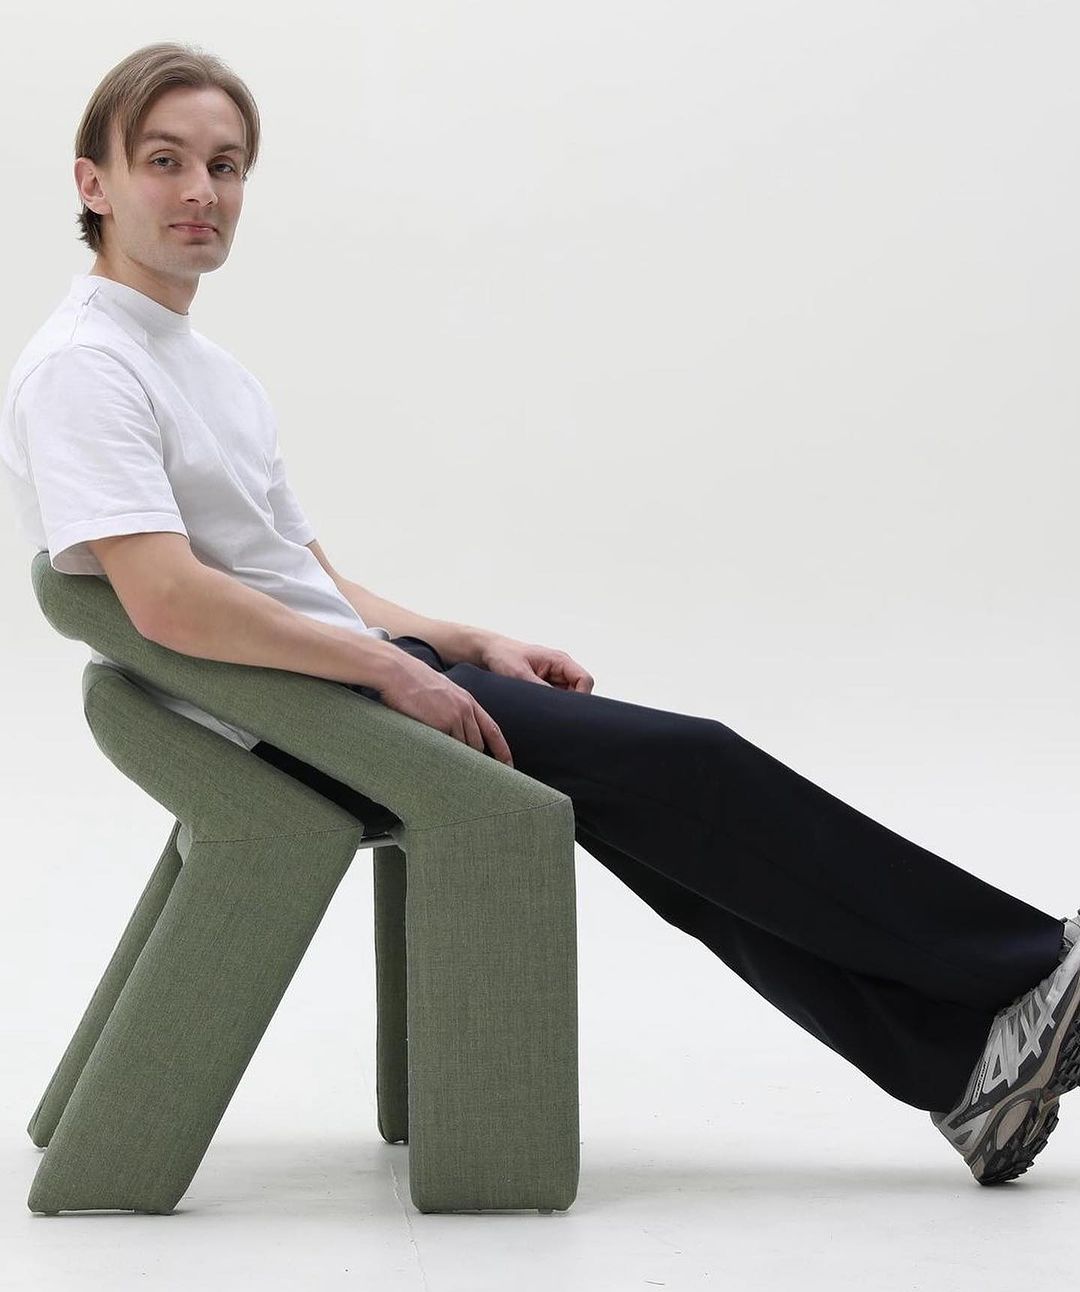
(428, 778)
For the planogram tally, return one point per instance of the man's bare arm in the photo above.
(172, 598)
(454, 642)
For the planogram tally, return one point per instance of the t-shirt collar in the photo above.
(150, 314)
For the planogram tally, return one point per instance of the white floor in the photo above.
(721, 1146)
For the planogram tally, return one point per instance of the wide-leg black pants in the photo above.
(892, 956)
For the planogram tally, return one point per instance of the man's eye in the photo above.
(169, 159)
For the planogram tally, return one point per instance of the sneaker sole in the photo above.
(1029, 1138)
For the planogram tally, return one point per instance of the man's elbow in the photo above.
(150, 574)
(167, 614)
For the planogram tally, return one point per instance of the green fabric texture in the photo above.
(475, 934)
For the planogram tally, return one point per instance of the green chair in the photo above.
(475, 933)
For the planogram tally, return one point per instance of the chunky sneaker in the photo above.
(1032, 1057)
(1072, 933)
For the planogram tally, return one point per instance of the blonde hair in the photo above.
(127, 93)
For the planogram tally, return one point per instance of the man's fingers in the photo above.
(473, 736)
(493, 737)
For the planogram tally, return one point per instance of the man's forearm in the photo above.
(213, 615)
(454, 642)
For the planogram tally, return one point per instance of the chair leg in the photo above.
(186, 1023)
(491, 967)
(391, 1039)
(139, 927)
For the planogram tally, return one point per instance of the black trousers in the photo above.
(892, 956)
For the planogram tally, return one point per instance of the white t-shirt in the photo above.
(120, 418)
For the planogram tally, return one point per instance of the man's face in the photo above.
(170, 183)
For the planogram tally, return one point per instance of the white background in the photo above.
(730, 347)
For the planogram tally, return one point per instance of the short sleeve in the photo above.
(94, 455)
(289, 519)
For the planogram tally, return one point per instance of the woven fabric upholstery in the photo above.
(475, 934)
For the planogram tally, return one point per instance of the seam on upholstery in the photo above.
(713, 828)
(292, 834)
(470, 820)
(427, 829)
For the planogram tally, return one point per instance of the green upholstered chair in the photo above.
(475, 933)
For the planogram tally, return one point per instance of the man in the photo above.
(141, 452)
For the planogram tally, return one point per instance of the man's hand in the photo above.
(542, 664)
(422, 692)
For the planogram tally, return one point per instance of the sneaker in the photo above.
(1072, 933)
(1032, 1057)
